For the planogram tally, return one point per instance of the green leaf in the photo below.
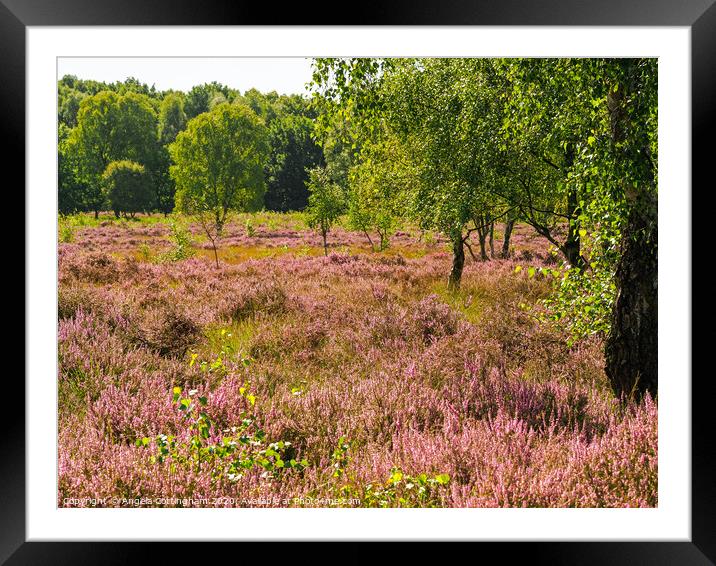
(442, 479)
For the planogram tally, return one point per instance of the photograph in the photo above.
(291, 277)
(357, 282)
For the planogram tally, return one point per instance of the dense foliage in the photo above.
(293, 151)
(128, 188)
(218, 165)
(131, 121)
(565, 145)
(326, 203)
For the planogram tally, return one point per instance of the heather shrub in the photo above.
(119, 416)
(98, 268)
(88, 353)
(392, 260)
(71, 298)
(449, 399)
(302, 336)
(165, 330)
(621, 465)
(381, 292)
(267, 297)
(433, 319)
(481, 393)
(519, 336)
(584, 363)
(388, 324)
(450, 356)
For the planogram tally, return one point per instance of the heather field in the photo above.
(287, 378)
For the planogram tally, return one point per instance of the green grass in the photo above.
(233, 338)
(68, 223)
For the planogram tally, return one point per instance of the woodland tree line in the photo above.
(101, 123)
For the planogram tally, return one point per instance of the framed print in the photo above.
(391, 281)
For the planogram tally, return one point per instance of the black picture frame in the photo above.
(699, 15)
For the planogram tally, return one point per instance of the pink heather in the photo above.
(364, 346)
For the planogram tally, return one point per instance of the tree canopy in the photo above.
(565, 145)
(326, 203)
(292, 152)
(111, 131)
(112, 127)
(128, 188)
(218, 164)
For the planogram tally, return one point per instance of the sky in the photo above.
(284, 75)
